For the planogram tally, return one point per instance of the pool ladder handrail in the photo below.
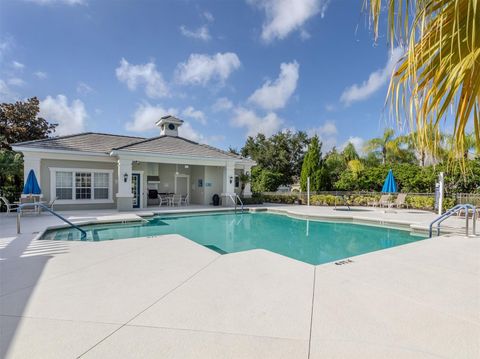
(234, 198)
(36, 205)
(459, 207)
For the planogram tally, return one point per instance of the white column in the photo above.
(247, 191)
(32, 163)
(229, 183)
(124, 195)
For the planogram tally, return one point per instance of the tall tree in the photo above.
(441, 65)
(349, 153)
(383, 145)
(19, 122)
(311, 166)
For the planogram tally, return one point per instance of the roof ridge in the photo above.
(50, 138)
(72, 135)
(183, 139)
(136, 143)
(222, 151)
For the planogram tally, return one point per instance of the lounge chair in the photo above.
(10, 206)
(48, 205)
(31, 209)
(400, 201)
(384, 201)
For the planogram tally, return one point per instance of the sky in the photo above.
(229, 69)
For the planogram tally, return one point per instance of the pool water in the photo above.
(310, 241)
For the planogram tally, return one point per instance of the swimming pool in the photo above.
(310, 241)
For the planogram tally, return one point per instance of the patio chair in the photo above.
(185, 200)
(176, 200)
(10, 206)
(163, 199)
(400, 201)
(384, 201)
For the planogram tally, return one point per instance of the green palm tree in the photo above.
(441, 65)
(385, 145)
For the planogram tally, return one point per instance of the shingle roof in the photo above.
(105, 143)
(177, 146)
(85, 142)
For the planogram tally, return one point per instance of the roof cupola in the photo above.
(169, 125)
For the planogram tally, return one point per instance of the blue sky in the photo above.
(228, 68)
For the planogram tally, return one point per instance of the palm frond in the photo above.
(440, 70)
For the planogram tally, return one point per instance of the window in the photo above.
(237, 181)
(64, 185)
(81, 185)
(101, 185)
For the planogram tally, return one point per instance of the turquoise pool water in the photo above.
(310, 241)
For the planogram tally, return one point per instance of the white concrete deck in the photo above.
(168, 297)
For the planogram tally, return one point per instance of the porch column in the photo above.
(32, 163)
(247, 191)
(124, 195)
(229, 182)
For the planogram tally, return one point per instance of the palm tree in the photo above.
(434, 140)
(349, 153)
(441, 66)
(385, 145)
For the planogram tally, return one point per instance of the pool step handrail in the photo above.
(455, 209)
(41, 205)
(240, 200)
(234, 197)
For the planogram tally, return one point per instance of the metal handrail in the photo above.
(83, 236)
(241, 202)
(452, 211)
(234, 197)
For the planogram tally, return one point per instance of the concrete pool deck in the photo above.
(168, 297)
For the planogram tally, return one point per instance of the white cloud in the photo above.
(375, 81)
(357, 142)
(200, 69)
(61, 2)
(15, 81)
(207, 15)
(274, 95)
(146, 75)
(201, 33)
(145, 117)
(268, 125)
(327, 133)
(70, 117)
(6, 93)
(18, 65)
(285, 16)
(197, 115)
(84, 89)
(222, 104)
(41, 75)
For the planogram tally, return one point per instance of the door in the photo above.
(136, 189)
(181, 186)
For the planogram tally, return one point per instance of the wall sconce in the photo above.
(247, 173)
(125, 177)
(231, 179)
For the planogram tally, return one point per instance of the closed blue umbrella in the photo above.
(389, 186)
(31, 184)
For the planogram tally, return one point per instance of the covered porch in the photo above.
(180, 182)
